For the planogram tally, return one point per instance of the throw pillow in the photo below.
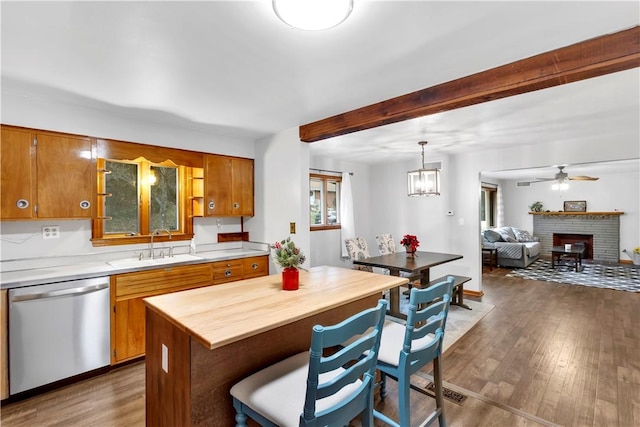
(507, 234)
(492, 236)
(522, 235)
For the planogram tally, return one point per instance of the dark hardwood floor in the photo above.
(547, 354)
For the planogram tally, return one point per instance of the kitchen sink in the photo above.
(134, 262)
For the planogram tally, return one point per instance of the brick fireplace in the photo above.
(600, 231)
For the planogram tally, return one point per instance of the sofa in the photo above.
(515, 246)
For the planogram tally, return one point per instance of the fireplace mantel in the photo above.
(576, 213)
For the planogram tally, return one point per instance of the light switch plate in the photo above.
(165, 358)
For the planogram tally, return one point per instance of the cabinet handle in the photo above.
(211, 205)
(227, 273)
(236, 205)
(85, 204)
(22, 204)
(254, 265)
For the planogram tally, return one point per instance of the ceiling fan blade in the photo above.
(544, 179)
(583, 178)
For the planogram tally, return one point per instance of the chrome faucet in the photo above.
(157, 233)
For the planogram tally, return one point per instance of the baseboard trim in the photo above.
(470, 293)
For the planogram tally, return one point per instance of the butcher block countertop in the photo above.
(218, 315)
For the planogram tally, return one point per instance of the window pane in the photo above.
(333, 198)
(163, 209)
(122, 206)
(315, 201)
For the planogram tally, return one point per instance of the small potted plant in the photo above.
(410, 243)
(289, 257)
(536, 207)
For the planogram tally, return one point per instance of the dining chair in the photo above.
(357, 249)
(387, 246)
(315, 388)
(405, 349)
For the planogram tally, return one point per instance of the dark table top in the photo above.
(400, 261)
(574, 249)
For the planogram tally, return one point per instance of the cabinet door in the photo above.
(18, 174)
(242, 182)
(217, 185)
(129, 338)
(66, 180)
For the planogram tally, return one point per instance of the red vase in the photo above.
(290, 279)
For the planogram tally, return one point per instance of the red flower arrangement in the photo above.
(410, 242)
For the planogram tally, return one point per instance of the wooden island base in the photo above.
(195, 390)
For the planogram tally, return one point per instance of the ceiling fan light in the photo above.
(560, 186)
(312, 15)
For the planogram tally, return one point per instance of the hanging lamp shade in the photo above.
(424, 181)
(312, 15)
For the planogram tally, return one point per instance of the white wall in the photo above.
(281, 192)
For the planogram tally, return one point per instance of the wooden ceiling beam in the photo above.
(591, 58)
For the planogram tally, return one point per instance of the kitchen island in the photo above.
(200, 342)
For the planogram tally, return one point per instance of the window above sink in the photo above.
(136, 197)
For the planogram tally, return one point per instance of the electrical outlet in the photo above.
(50, 232)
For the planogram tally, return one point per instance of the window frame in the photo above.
(488, 206)
(326, 178)
(184, 222)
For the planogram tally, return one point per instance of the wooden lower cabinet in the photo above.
(127, 292)
(129, 289)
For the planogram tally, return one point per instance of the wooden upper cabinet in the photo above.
(18, 174)
(242, 186)
(228, 186)
(66, 176)
(46, 175)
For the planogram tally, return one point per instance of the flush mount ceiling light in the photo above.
(312, 15)
(424, 181)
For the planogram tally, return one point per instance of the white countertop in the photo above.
(70, 270)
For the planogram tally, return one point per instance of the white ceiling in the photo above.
(231, 67)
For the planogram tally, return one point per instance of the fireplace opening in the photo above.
(560, 239)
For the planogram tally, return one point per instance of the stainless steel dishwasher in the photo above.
(57, 331)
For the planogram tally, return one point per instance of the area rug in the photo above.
(459, 320)
(618, 277)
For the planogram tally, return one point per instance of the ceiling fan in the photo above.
(561, 177)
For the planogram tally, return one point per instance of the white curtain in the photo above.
(500, 207)
(347, 223)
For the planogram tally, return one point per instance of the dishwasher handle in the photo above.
(59, 293)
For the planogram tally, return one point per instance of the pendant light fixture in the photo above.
(424, 181)
(312, 15)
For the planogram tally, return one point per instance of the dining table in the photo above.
(420, 262)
